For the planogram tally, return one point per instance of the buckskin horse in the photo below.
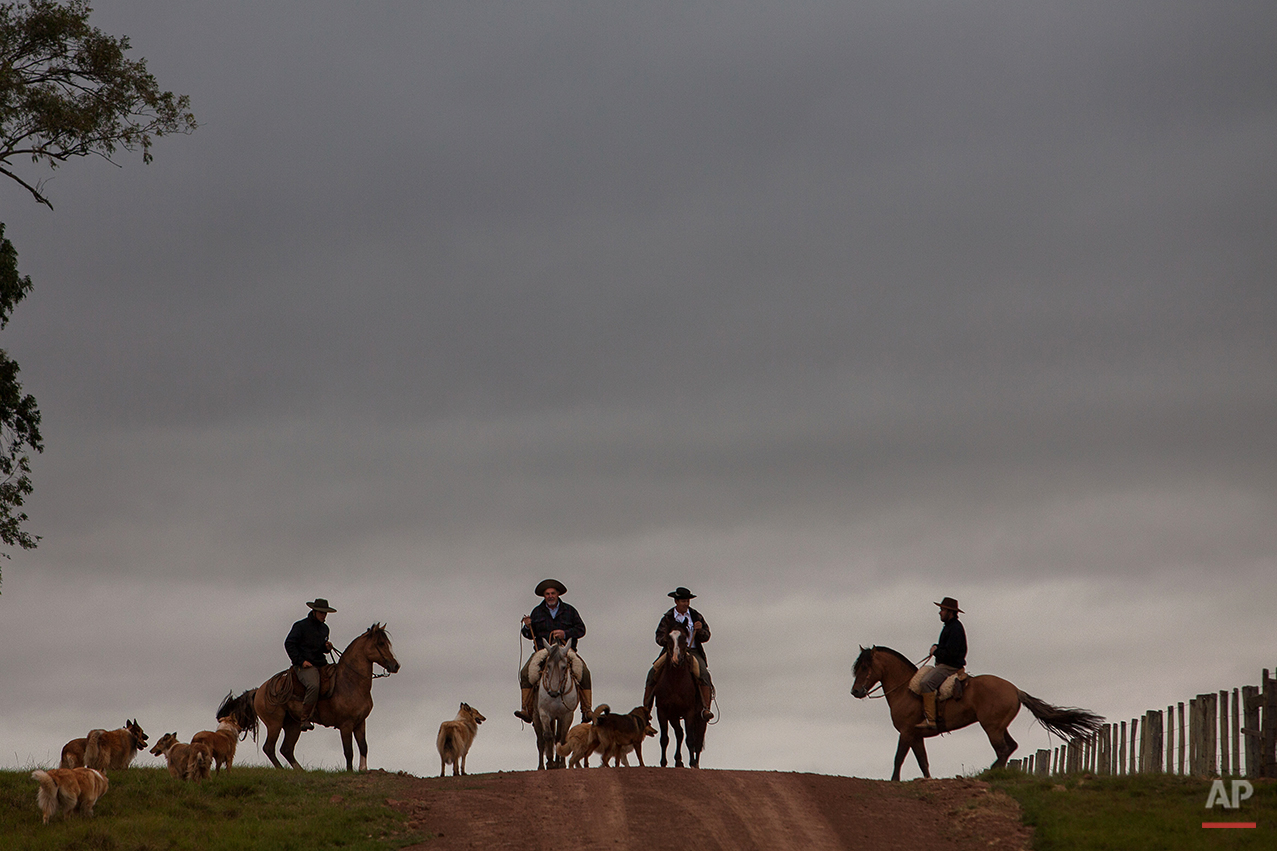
(677, 700)
(346, 708)
(990, 700)
(556, 700)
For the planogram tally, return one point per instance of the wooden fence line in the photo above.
(1225, 734)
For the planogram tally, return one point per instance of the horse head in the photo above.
(556, 676)
(379, 649)
(676, 646)
(866, 676)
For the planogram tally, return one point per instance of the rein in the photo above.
(374, 675)
(870, 694)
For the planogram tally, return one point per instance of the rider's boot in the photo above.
(304, 718)
(525, 714)
(587, 705)
(707, 697)
(928, 721)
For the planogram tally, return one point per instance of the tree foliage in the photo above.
(19, 417)
(68, 90)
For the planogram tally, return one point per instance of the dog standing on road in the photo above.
(455, 738)
(619, 733)
(75, 789)
(220, 742)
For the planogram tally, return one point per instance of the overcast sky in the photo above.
(823, 310)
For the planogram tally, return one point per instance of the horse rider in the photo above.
(692, 624)
(950, 655)
(306, 644)
(553, 620)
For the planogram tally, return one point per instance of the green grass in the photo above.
(1148, 811)
(250, 808)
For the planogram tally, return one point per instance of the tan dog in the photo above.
(73, 753)
(455, 738)
(220, 742)
(619, 733)
(75, 789)
(582, 741)
(108, 750)
(185, 762)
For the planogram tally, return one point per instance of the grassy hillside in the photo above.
(251, 808)
(1140, 811)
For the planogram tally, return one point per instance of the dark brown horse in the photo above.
(346, 709)
(990, 700)
(677, 698)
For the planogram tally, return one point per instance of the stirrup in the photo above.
(522, 716)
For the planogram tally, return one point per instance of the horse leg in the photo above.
(677, 724)
(361, 739)
(665, 738)
(1003, 745)
(272, 735)
(920, 753)
(346, 747)
(902, 749)
(292, 732)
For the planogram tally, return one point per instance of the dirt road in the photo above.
(654, 808)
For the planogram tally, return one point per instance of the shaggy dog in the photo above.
(581, 742)
(73, 753)
(455, 738)
(75, 789)
(618, 733)
(108, 750)
(220, 742)
(185, 762)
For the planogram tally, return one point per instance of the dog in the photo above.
(185, 762)
(220, 742)
(73, 753)
(108, 750)
(75, 789)
(581, 742)
(455, 738)
(619, 733)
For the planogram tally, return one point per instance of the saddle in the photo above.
(950, 688)
(285, 685)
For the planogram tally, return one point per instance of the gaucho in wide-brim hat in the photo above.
(951, 604)
(681, 593)
(319, 604)
(551, 583)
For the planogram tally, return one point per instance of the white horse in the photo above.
(556, 702)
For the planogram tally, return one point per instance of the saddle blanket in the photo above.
(946, 688)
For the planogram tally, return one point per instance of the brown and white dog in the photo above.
(73, 753)
(455, 738)
(108, 750)
(74, 789)
(220, 742)
(619, 733)
(185, 762)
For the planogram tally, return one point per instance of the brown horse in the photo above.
(677, 698)
(346, 709)
(990, 700)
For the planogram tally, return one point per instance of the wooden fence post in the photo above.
(1250, 730)
(1181, 737)
(1223, 734)
(1195, 736)
(1237, 728)
(1121, 752)
(1268, 739)
(1043, 762)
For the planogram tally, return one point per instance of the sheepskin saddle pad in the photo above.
(946, 688)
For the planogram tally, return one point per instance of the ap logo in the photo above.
(1218, 796)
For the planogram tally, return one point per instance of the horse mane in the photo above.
(910, 665)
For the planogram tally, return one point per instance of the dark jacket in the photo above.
(951, 647)
(668, 623)
(307, 642)
(542, 625)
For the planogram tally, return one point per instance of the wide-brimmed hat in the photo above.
(551, 583)
(681, 593)
(321, 605)
(950, 603)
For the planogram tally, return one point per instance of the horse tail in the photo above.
(1065, 722)
(242, 710)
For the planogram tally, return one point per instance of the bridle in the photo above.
(870, 694)
(374, 675)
